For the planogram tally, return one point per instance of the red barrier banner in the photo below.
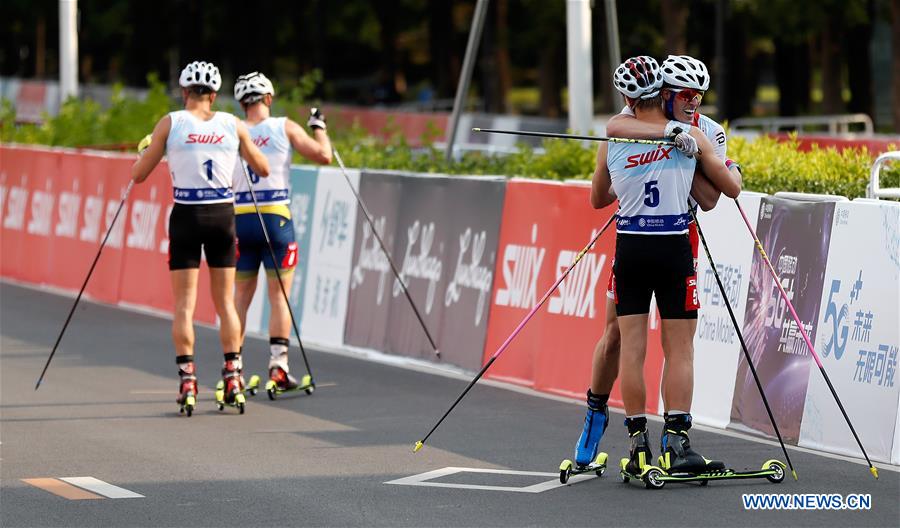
(544, 227)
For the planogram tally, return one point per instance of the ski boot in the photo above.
(187, 388)
(587, 458)
(677, 456)
(230, 389)
(639, 457)
(281, 381)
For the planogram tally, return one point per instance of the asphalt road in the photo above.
(106, 410)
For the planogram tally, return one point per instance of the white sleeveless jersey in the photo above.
(653, 183)
(270, 137)
(201, 157)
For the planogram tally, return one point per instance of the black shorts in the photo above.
(206, 226)
(660, 264)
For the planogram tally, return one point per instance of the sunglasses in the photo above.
(689, 95)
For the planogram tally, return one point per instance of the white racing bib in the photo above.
(202, 156)
(270, 137)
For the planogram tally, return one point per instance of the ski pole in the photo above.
(740, 335)
(515, 332)
(575, 136)
(809, 345)
(387, 254)
(86, 279)
(265, 231)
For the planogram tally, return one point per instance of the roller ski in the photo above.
(230, 389)
(187, 389)
(280, 382)
(655, 477)
(280, 379)
(587, 457)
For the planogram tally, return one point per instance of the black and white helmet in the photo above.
(638, 78)
(252, 84)
(682, 71)
(201, 73)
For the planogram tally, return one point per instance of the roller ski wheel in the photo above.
(187, 407)
(568, 468)
(623, 474)
(253, 385)
(777, 469)
(654, 478)
(233, 398)
(275, 389)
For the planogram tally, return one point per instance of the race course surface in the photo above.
(106, 410)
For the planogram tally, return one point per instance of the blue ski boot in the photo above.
(677, 455)
(595, 421)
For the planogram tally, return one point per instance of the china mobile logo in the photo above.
(472, 275)
(577, 293)
(144, 219)
(423, 265)
(371, 258)
(299, 207)
(521, 267)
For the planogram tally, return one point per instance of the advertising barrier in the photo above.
(717, 348)
(545, 225)
(859, 336)
(329, 246)
(442, 233)
(795, 236)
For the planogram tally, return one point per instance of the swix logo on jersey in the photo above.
(649, 157)
(209, 139)
(261, 141)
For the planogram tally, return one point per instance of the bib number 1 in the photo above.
(208, 165)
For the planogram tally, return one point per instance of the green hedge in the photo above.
(769, 166)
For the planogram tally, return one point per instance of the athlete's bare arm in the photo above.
(714, 168)
(601, 184)
(628, 126)
(316, 149)
(154, 153)
(250, 152)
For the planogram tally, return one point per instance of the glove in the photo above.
(673, 128)
(142, 146)
(686, 144)
(316, 119)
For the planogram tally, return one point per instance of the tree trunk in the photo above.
(40, 47)
(832, 101)
(445, 64)
(504, 77)
(549, 78)
(792, 77)
(859, 65)
(674, 15)
(390, 77)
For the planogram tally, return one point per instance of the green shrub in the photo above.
(768, 165)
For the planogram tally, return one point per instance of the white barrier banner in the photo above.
(859, 336)
(717, 348)
(330, 257)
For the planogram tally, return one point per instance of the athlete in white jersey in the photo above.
(202, 147)
(653, 255)
(277, 137)
(605, 361)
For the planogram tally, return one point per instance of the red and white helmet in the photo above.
(252, 84)
(682, 71)
(638, 78)
(201, 74)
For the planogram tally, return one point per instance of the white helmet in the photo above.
(252, 84)
(638, 77)
(682, 71)
(201, 74)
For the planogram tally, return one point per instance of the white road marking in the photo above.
(424, 479)
(101, 488)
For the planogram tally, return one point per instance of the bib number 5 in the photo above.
(651, 193)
